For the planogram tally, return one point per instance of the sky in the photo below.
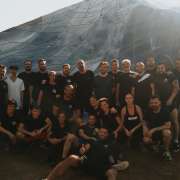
(16, 12)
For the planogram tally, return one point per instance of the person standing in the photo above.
(27, 77)
(83, 81)
(3, 90)
(15, 87)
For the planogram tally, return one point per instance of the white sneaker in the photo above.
(121, 166)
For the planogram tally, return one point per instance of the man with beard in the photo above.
(40, 78)
(125, 83)
(144, 87)
(3, 90)
(176, 72)
(27, 77)
(103, 82)
(167, 87)
(65, 78)
(151, 65)
(95, 159)
(114, 74)
(83, 81)
(157, 126)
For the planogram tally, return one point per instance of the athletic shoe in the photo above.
(167, 156)
(176, 147)
(122, 165)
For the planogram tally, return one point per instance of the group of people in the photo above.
(86, 116)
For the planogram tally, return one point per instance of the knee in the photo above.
(111, 173)
(147, 140)
(70, 137)
(166, 133)
(73, 159)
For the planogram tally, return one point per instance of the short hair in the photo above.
(13, 67)
(66, 65)
(42, 60)
(155, 97)
(28, 60)
(126, 61)
(11, 102)
(2, 66)
(104, 62)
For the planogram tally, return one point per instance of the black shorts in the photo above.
(94, 168)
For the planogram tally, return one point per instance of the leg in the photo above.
(111, 174)
(166, 138)
(67, 145)
(62, 167)
(174, 116)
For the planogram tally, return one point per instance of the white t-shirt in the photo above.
(14, 89)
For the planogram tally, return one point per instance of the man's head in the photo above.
(126, 65)
(103, 67)
(52, 76)
(104, 104)
(177, 64)
(93, 101)
(69, 90)
(150, 63)
(61, 118)
(55, 108)
(42, 65)
(35, 112)
(66, 69)
(81, 65)
(2, 71)
(91, 120)
(114, 65)
(155, 103)
(140, 67)
(103, 134)
(13, 70)
(11, 107)
(28, 65)
(161, 68)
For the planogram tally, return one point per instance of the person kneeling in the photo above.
(157, 126)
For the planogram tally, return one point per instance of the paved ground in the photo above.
(32, 165)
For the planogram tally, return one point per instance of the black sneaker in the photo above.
(176, 147)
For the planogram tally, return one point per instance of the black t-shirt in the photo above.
(163, 85)
(90, 131)
(103, 86)
(62, 81)
(93, 111)
(38, 80)
(83, 84)
(3, 95)
(28, 79)
(97, 162)
(107, 121)
(52, 118)
(143, 90)
(10, 123)
(67, 106)
(49, 91)
(127, 82)
(156, 119)
(59, 132)
(32, 124)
